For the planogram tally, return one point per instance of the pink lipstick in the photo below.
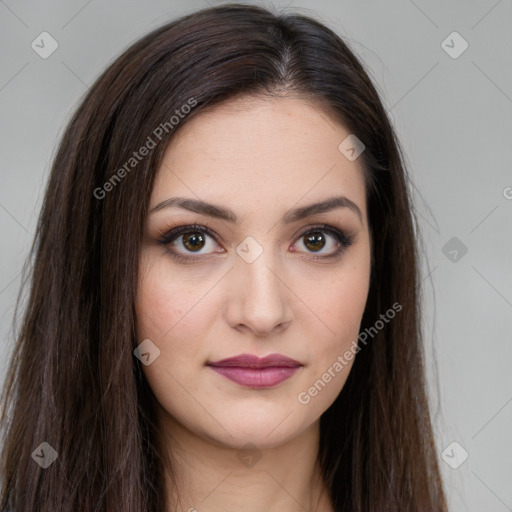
(254, 372)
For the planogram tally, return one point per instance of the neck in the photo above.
(216, 477)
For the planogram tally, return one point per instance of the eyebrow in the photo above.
(219, 212)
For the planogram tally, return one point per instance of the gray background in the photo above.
(453, 118)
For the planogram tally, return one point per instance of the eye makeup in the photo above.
(169, 237)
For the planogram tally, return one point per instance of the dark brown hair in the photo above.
(73, 380)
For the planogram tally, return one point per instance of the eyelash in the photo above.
(169, 236)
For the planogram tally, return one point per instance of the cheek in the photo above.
(170, 312)
(341, 308)
(160, 308)
(347, 300)
(340, 304)
(339, 300)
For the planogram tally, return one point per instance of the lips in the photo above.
(251, 371)
(250, 361)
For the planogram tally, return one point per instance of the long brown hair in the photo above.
(73, 381)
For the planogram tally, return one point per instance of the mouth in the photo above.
(254, 372)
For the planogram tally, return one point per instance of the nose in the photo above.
(259, 298)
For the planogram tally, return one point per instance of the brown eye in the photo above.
(190, 240)
(314, 240)
(193, 241)
(323, 242)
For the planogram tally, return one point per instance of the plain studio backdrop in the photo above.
(444, 72)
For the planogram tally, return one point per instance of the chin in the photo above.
(265, 433)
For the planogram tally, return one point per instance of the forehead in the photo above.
(260, 152)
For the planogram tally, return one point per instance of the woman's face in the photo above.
(258, 277)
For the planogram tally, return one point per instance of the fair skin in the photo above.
(260, 158)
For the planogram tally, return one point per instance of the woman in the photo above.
(224, 303)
